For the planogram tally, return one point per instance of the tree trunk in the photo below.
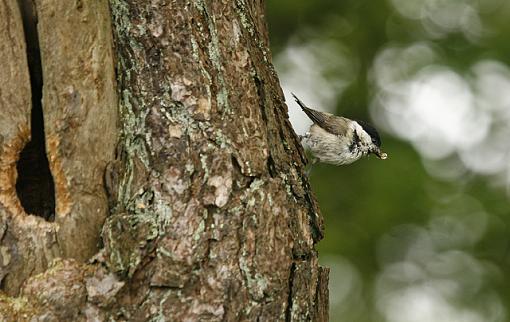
(208, 214)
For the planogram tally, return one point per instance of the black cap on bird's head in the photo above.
(376, 139)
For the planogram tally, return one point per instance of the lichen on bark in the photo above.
(211, 216)
(213, 196)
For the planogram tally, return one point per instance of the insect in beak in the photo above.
(381, 155)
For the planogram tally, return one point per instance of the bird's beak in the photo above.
(381, 155)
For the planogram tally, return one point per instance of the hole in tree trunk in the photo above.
(34, 184)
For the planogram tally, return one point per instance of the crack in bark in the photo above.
(34, 185)
(271, 165)
(288, 311)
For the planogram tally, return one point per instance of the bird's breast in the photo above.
(330, 148)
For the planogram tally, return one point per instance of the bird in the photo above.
(338, 140)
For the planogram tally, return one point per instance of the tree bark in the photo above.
(79, 108)
(210, 215)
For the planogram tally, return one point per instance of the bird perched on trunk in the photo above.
(338, 140)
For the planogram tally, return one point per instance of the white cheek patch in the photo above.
(364, 137)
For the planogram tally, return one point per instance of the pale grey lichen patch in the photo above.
(125, 236)
(222, 99)
(133, 126)
(166, 97)
(115, 260)
(120, 11)
(215, 57)
(162, 251)
(247, 24)
(194, 49)
(257, 184)
(236, 211)
(142, 31)
(199, 231)
(124, 189)
(164, 213)
(196, 56)
(251, 202)
(237, 31)
(288, 187)
(222, 140)
(162, 316)
(257, 284)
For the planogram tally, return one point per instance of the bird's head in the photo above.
(370, 139)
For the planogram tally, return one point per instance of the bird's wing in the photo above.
(333, 124)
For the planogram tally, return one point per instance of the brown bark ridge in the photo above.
(211, 216)
(212, 205)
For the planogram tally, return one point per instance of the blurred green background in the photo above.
(424, 235)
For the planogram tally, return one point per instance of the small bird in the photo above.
(338, 140)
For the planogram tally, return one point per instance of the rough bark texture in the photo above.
(80, 115)
(212, 207)
(211, 216)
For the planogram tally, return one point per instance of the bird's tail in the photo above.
(316, 116)
(303, 106)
